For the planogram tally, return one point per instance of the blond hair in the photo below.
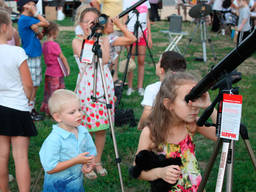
(59, 98)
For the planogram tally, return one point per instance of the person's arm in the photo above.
(95, 4)
(65, 62)
(105, 47)
(80, 159)
(150, 43)
(26, 79)
(208, 132)
(170, 173)
(128, 37)
(146, 111)
(16, 37)
(77, 46)
(241, 26)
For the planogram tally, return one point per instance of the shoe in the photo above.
(60, 15)
(141, 91)
(102, 171)
(91, 175)
(129, 91)
(36, 116)
(11, 178)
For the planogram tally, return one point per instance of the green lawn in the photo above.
(127, 137)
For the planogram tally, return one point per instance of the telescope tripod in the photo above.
(227, 154)
(201, 24)
(98, 66)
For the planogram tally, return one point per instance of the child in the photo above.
(16, 124)
(169, 61)
(145, 23)
(169, 130)
(28, 27)
(68, 150)
(95, 114)
(115, 40)
(244, 27)
(54, 77)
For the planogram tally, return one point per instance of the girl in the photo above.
(54, 77)
(95, 116)
(169, 130)
(16, 123)
(145, 23)
(114, 39)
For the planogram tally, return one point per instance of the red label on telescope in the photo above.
(231, 116)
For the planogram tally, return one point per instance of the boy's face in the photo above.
(70, 115)
(29, 7)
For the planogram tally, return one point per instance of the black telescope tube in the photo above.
(131, 8)
(226, 65)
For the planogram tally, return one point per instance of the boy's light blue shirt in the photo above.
(60, 146)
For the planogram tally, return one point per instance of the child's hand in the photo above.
(170, 173)
(116, 21)
(88, 167)
(83, 159)
(202, 102)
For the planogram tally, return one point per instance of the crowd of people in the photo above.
(75, 145)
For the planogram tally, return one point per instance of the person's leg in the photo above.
(20, 155)
(141, 59)
(185, 12)
(4, 158)
(178, 9)
(100, 138)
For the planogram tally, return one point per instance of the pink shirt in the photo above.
(51, 51)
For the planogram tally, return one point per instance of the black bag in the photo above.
(123, 116)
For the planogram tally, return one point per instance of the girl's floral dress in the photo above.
(190, 178)
(95, 114)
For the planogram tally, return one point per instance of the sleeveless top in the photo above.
(190, 173)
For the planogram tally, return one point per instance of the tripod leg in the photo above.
(111, 124)
(211, 45)
(203, 39)
(229, 170)
(222, 167)
(244, 135)
(210, 165)
(191, 38)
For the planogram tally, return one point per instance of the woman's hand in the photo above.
(170, 174)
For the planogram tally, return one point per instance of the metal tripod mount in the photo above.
(227, 155)
(201, 24)
(98, 66)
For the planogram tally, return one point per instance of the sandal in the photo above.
(91, 175)
(102, 171)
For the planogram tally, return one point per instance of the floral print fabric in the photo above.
(190, 178)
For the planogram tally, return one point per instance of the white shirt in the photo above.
(217, 5)
(143, 11)
(150, 94)
(12, 94)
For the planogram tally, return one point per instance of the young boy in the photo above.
(69, 150)
(28, 26)
(169, 61)
(244, 27)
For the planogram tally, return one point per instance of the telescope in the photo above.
(232, 60)
(129, 9)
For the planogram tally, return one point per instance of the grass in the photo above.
(127, 137)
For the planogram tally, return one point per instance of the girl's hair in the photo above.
(4, 17)
(87, 10)
(59, 98)
(173, 61)
(79, 10)
(5, 6)
(160, 119)
(51, 29)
